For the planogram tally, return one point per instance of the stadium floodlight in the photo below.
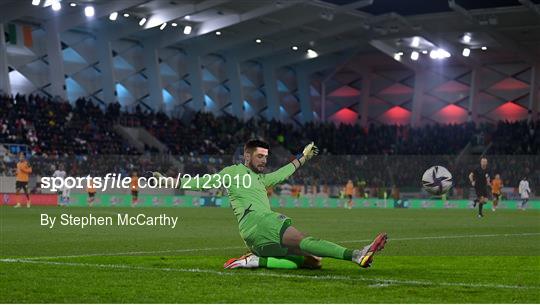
(484, 48)
(466, 52)
(467, 38)
(113, 16)
(295, 48)
(439, 54)
(397, 56)
(187, 29)
(142, 21)
(56, 6)
(174, 24)
(126, 15)
(218, 33)
(73, 4)
(35, 2)
(187, 17)
(163, 25)
(424, 51)
(312, 54)
(258, 40)
(89, 11)
(415, 42)
(415, 55)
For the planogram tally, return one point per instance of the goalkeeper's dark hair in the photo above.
(252, 145)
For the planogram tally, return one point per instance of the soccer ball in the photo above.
(437, 180)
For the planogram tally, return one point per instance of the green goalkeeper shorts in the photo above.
(262, 233)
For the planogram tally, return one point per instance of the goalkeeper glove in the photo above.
(159, 176)
(309, 151)
(154, 174)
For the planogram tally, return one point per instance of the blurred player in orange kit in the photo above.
(91, 193)
(23, 175)
(349, 190)
(134, 189)
(496, 186)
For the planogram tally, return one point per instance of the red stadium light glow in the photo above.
(345, 116)
(396, 115)
(451, 114)
(510, 111)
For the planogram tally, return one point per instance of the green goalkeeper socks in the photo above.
(323, 248)
(311, 245)
(287, 262)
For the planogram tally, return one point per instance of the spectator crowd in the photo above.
(82, 135)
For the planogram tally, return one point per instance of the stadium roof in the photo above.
(417, 7)
(510, 29)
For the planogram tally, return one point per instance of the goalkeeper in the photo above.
(272, 239)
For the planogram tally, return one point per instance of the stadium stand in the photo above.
(58, 129)
(40, 122)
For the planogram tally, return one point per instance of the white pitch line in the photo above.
(243, 247)
(130, 253)
(448, 237)
(278, 275)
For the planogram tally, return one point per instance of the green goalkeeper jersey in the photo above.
(247, 189)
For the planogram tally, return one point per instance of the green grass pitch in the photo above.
(432, 256)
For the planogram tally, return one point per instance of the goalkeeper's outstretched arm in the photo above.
(284, 172)
(269, 180)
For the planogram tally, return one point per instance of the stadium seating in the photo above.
(81, 134)
(58, 128)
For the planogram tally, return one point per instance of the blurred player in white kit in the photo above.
(64, 192)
